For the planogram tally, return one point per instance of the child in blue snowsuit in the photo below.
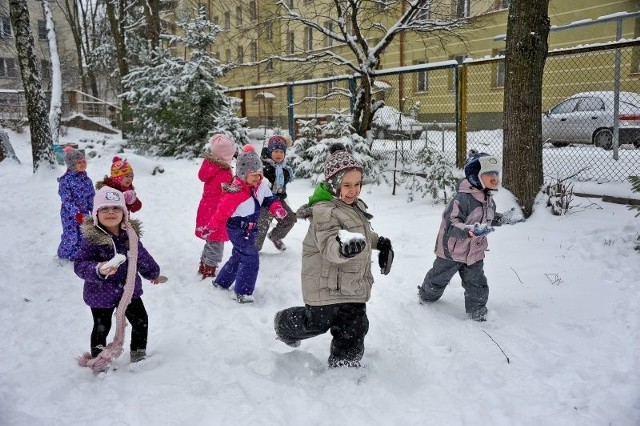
(76, 193)
(239, 210)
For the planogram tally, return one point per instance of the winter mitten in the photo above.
(511, 217)
(130, 196)
(352, 247)
(279, 213)
(79, 218)
(385, 257)
(206, 232)
(482, 230)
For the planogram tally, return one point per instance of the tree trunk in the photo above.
(116, 23)
(41, 145)
(527, 45)
(152, 18)
(55, 108)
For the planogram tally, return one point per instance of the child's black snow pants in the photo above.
(347, 322)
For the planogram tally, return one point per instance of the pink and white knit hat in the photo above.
(108, 197)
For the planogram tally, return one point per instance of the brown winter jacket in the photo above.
(327, 276)
(469, 206)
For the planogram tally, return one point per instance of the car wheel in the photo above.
(603, 138)
(559, 144)
(636, 143)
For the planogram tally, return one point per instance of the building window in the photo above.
(269, 30)
(8, 68)
(422, 78)
(269, 66)
(328, 42)
(239, 54)
(499, 70)
(227, 20)
(254, 51)
(217, 55)
(308, 38)
(309, 92)
(216, 20)
(5, 27)
(238, 16)
(503, 4)
(45, 66)
(227, 56)
(291, 4)
(291, 42)
(460, 8)
(253, 11)
(42, 30)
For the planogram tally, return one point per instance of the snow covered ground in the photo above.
(564, 307)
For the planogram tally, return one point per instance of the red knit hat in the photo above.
(120, 167)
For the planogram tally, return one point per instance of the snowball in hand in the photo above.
(346, 236)
(115, 261)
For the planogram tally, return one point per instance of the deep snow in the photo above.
(564, 307)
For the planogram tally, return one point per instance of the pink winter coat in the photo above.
(214, 173)
(469, 206)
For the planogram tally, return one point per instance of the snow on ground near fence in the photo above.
(564, 307)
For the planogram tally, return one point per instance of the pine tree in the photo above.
(176, 103)
(432, 175)
(300, 157)
(309, 155)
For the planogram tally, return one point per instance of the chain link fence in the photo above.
(425, 104)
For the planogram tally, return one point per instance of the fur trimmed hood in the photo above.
(102, 238)
(223, 164)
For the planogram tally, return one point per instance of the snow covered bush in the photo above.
(431, 175)
(308, 154)
(175, 102)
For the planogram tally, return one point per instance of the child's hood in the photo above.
(464, 186)
(223, 164)
(101, 238)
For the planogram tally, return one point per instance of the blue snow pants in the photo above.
(242, 267)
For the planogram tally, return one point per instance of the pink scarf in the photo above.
(114, 349)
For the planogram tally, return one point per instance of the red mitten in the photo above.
(279, 213)
(79, 218)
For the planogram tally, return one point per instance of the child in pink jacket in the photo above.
(239, 211)
(215, 171)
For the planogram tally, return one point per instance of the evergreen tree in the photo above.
(299, 157)
(176, 103)
(310, 156)
(431, 174)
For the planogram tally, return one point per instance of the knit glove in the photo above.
(130, 196)
(511, 217)
(79, 217)
(279, 213)
(352, 247)
(385, 257)
(479, 230)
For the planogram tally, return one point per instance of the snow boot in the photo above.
(244, 298)
(289, 342)
(208, 271)
(280, 245)
(137, 355)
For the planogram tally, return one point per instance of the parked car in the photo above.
(587, 117)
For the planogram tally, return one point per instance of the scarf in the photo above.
(278, 185)
(114, 349)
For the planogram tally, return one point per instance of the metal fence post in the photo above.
(616, 91)
(460, 89)
(290, 110)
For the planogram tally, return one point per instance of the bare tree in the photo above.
(55, 108)
(359, 37)
(526, 45)
(81, 15)
(41, 144)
